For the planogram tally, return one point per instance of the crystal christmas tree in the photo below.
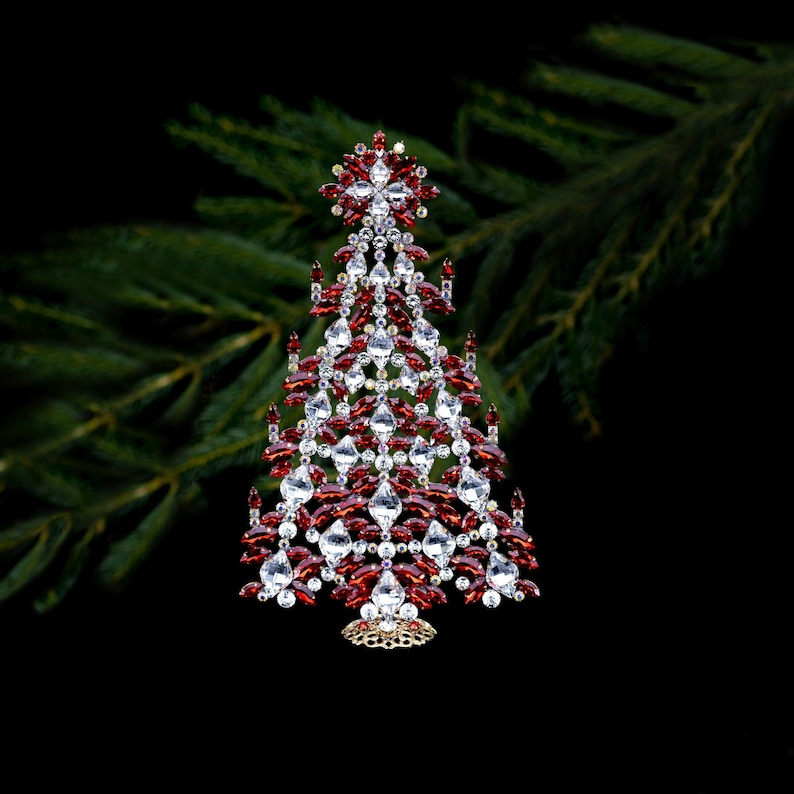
(384, 407)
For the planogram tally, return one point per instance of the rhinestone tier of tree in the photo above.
(384, 410)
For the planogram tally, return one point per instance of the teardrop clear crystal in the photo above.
(438, 544)
(380, 347)
(501, 574)
(384, 506)
(335, 543)
(296, 487)
(338, 336)
(473, 488)
(275, 573)
(388, 594)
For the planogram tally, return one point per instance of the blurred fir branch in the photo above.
(140, 361)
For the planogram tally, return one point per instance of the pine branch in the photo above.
(141, 361)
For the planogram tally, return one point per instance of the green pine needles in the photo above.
(141, 361)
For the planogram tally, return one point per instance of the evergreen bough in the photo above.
(140, 361)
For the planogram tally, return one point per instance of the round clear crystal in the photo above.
(308, 446)
(488, 531)
(287, 530)
(369, 611)
(491, 599)
(286, 599)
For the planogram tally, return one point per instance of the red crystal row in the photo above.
(382, 449)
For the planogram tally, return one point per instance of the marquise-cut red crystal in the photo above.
(400, 318)
(331, 492)
(404, 343)
(303, 593)
(281, 450)
(518, 538)
(425, 565)
(467, 565)
(331, 190)
(281, 469)
(298, 553)
(475, 591)
(419, 597)
(366, 485)
(356, 167)
(469, 398)
(451, 475)
(256, 555)
(417, 506)
(258, 535)
(448, 516)
(404, 167)
(424, 391)
(414, 253)
(489, 454)
(528, 588)
(365, 575)
(523, 559)
(344, 254)
(296, 398)
(349, 563)
(403, 215)
(300, 381)
(462, 380)
(438, 306)
(359, 343)
(324, 308)
(356, 598)
(251, 589)
(439, 492)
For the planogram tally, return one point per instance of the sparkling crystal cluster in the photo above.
(384, 407)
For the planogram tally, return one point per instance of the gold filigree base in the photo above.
(407, 633)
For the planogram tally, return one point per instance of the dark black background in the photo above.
(659, 649)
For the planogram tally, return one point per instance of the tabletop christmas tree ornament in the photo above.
(385, 483)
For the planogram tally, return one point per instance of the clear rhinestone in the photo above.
(473, 488)
(491, 599)
(275, 573)
(317, 409)
(296, 488)
(448, 408)
(383, 422)
(501, 574)
(344, 454)
(385, 506)
(335, 543)
(438, 544)
(286, 599)
(388, 594)
(425, 336)
(338, 337)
